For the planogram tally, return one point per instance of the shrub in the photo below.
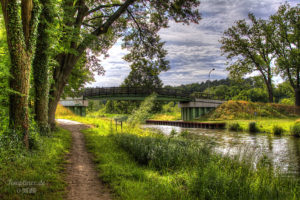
(253, 127)
(295, 130)
(184, 133)
(173, 133)
(235, 127)
(143, 112)
(277, 130)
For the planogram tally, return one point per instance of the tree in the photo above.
(249, 50)
(21, 20)
(40, 66)
(286, 44)
(97, 25)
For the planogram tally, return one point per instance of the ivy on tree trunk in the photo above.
(41, 68)
(21, 37)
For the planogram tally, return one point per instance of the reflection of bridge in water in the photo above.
(191, 106)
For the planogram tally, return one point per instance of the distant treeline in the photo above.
(250, 89)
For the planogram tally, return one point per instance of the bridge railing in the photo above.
(93, 92)
(136, 91)
(201, 95)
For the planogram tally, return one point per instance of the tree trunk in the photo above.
(41, 70)
(55, 93)
(270, 92)
(18, 101)
(21, 40)
(297, 97)
(60, 77)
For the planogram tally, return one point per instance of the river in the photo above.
(283, 152)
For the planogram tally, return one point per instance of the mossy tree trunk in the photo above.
(20, 31)
(41, 68)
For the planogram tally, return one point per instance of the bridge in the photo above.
(191, 106)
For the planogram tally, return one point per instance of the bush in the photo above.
(277, 130)
(235, 127)
(143, 112)
(295, 130)
(253, 127)
(287, 101)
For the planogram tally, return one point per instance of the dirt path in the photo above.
(82, 178)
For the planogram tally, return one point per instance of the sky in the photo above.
(193, 50)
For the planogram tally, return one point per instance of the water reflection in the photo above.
(283, 152)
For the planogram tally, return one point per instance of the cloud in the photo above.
(195, 49)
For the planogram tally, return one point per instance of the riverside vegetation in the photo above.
(138, 164)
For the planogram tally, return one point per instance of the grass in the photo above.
(140, 165)
(231, 110)
(265, 125)
(34, 174)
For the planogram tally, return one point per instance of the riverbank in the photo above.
(238, 115)
(35, 174)
(138, 164)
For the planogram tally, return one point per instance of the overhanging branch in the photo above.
(103, 28)
(103, 6)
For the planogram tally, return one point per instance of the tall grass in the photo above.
(163, 153)
(216, 177)
(34, 174)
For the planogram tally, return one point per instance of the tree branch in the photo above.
(103, 28)
(137, 24)
(103, 6)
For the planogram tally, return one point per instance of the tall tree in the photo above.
(97, 25)
(40, 66)
(249, 50)
(285, 40)
(21, 20)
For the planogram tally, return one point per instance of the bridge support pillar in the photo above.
(78, 110)
(191, 113)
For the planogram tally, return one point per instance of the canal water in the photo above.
(282, 152)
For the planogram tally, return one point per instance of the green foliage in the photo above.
(143, 112)
(277, 130)
(253, 127)
(40, 169)
(295, 129)
(235, 127)
(287, 101)
(4, 74)
(285, 41)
